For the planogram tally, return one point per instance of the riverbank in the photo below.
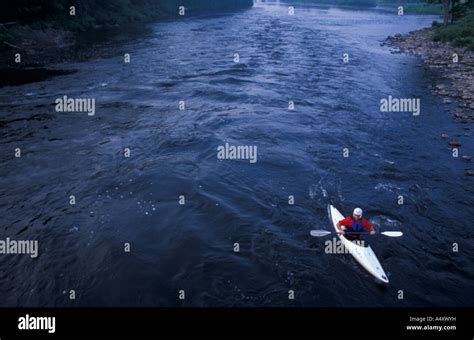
(36, 52)
(456, 82)
(44, 46)
(33, 37)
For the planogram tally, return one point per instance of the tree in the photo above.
(454, 9)
(461, 8)
(446, 8)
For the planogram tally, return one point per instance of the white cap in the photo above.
(358, 211)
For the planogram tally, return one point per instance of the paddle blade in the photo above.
(392, 233)
(319, 233)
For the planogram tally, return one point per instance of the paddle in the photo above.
(321, 233)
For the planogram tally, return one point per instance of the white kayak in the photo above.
(364, 255)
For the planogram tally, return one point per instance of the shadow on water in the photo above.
(92, 44)
(19, 76)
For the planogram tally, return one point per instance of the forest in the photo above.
(93, 13)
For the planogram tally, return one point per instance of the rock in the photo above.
(470, 172)
(455, 143)
(456, 80)
(444, 135)
(466, 157)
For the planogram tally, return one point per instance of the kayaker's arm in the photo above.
(368, 226)
(338, 226)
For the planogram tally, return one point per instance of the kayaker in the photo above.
(355, 224)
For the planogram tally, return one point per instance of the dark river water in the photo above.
(190, 247)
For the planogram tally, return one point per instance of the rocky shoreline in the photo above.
(456, 83)
(456, 76)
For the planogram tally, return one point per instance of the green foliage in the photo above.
(460, 34)
(462, 9)
(6, 35)
(92, 13)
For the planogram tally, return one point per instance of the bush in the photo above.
(460, 34)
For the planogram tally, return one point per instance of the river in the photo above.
(173, 152)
